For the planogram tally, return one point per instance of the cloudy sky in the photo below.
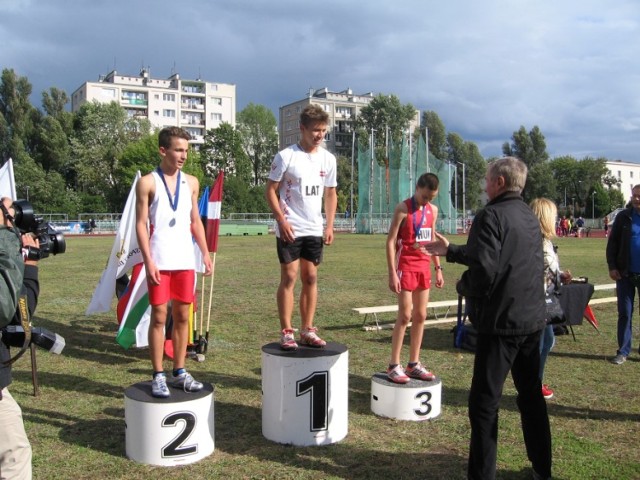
(571, 67)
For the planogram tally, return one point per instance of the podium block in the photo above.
(168, 431)
(305, 394)
(417, 400)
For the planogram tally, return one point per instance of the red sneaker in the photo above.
(547, 393)
(287, 341)
(397, 375)
(311, 338)
(420, 372)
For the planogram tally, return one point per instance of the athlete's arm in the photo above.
(330, 206)
(399, 215)
(271, 195)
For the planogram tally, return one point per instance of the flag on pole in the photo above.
(213, 213)
(125, 253)
(202, 210)
(134, 312)
(7, 181)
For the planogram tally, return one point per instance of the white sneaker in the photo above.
(186, 382)
(159, 386)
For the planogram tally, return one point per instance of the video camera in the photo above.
(51, 241)
(13, 336)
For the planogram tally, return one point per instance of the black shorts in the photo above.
(309, 248)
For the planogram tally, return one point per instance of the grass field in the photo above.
(76, 424)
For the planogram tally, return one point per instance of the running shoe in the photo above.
(186, 382)
(619, 359)
(159, 386)
(419, 372)
(547, 393)
(397, 375)
(309, 337)
(287, 341)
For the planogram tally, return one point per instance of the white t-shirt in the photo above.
(171, 243)
(303, 177)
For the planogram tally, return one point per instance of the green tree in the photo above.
(575, 180)
(530, 147)
(54, 103)
(102, 131)
(223, 151)
(259, 134)
(389, 119)
(436, 134)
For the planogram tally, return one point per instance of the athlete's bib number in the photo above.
(424, 235)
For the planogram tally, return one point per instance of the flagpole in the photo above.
(213, 270)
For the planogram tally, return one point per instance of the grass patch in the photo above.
(76, 424)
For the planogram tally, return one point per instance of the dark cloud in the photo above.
(486, 68)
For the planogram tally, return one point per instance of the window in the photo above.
(216, 100)
(216, 116)
(327, 108)
(631, 174)
(169, 97)
(619, 174)
(108, 93)
(156, 113)
(156, 96)
(169, 113)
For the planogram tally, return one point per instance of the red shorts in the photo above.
(411, 281)
(174, 285)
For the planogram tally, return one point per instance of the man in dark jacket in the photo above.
(623, 260)
(504, 287)
(15, 450)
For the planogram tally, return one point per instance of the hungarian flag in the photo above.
(133, 311)
(213, 213)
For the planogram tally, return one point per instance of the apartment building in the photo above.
(627, 172)
(343, 109)
(195, 105)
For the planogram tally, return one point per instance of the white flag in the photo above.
(7, 181)
(125, 253)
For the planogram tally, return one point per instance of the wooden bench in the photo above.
(374, 311)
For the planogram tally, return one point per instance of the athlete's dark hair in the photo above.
(164, 138)
(429, 180)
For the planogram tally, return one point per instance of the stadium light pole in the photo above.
(593, 205)
(353, 156)
(464, 194)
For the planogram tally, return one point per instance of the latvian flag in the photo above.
(213, 213)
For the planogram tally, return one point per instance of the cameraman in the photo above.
(16, 277)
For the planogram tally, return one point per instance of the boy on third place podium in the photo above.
(301, 175)
(413, 224)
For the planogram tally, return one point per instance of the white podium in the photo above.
(417, 400)
(168, 431)
(305, 394)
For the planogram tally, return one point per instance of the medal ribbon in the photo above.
(174, 202)
(417, 226)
